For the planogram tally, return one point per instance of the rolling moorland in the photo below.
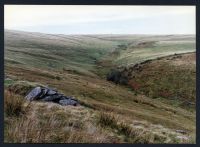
(150, 97)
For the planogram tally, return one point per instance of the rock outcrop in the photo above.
(48, 94)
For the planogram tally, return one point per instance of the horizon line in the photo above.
(5, 29)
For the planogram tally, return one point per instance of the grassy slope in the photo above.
(28, 56)
(55, 51)
(135, 55)
(172, 78)
(51, 123)
(80, 53)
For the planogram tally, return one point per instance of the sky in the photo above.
(77, 19)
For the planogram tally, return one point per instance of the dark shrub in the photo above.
(117, 77)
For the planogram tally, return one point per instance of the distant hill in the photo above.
(85, 53)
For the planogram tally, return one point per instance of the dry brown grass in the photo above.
(31, 130)
(13, 104)
(109, 97)
(52, 123)
(97, 95)
(141, 135)
(172, 78)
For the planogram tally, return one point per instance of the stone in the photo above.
(45, 90)
(52, 97)
(43, 93)
(68, 102)
(34, 94)
(48, 94)
(51, 92)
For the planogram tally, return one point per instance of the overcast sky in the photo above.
(66, 19)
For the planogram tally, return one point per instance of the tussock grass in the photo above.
(41, 125)
(22, 87)
(13, 104)
(136, 135)
(51, 123)
(108, 120)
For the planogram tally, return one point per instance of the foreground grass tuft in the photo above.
(107, 120)
(135, 135)
(13, 104)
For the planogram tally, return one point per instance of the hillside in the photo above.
(172, 77)
(89, 54)
(77, 65)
